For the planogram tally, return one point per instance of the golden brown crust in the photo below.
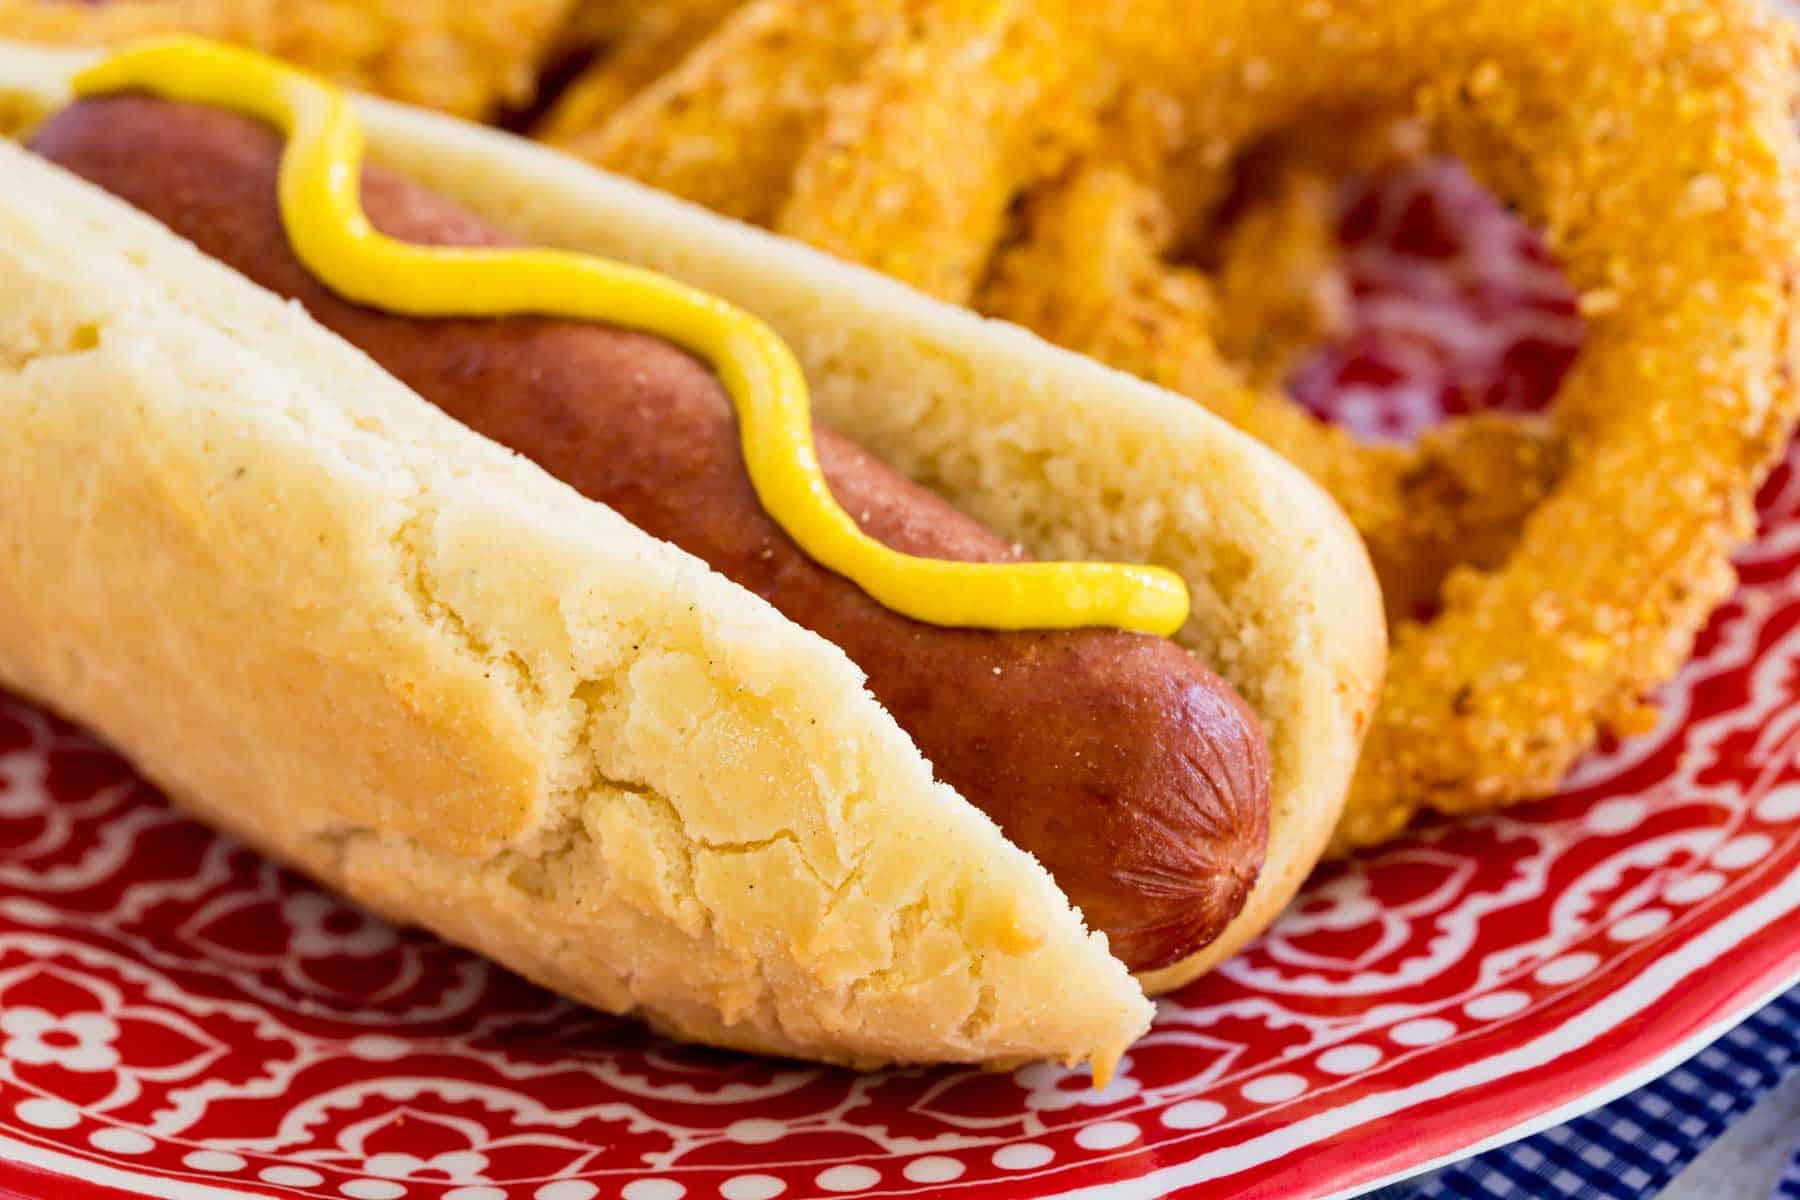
(1680, 231)
(941, 152)
(638, 42)
(726, 125)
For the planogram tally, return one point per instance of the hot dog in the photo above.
(592, 704)
(1132, 772)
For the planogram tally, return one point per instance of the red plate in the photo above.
(180, 1018)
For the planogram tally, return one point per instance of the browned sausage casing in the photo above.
(1135, 774)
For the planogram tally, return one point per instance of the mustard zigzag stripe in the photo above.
(321, 206)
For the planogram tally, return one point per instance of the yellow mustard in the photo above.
(321, 206)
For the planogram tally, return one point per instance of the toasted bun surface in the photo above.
(331, 620)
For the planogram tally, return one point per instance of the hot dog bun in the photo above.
(1128, 769)
(330, 619)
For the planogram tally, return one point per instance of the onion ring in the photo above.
(937, 165)
(1654, 144)
(726, 127)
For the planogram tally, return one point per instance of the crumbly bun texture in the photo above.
(333, 622)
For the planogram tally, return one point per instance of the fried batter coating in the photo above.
(640, 41)
(609, 22)
(1275, 259)
(1089, 270)
(1280, 280)
(1653, 142)
(804, 115)
(468, 59)
(922, 156)
(728, 125)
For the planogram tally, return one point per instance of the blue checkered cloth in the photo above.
(1789, 1187)
(1632, 1148)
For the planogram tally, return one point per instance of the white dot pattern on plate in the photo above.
(849, 1177)
(1740, 852)
(223, 1162)
(1348, 1060)
(379, 1047)
(933, 1168)
(1639, 925)
(755, 1131)
(752, 1187)
(287, 1176)
(477, 1191)
(1426, 1031)
(1781, 804)
(1495, 1005)
(1106, 1135)
(1617, 815)
(1273, 1089)
(1690, 888)
(373, 1189)
(34, 911)
(120, 1141)
(45, 1112)
(1025, 1156)
(637, 1189)
(1568, 968)
(1193, 1114)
